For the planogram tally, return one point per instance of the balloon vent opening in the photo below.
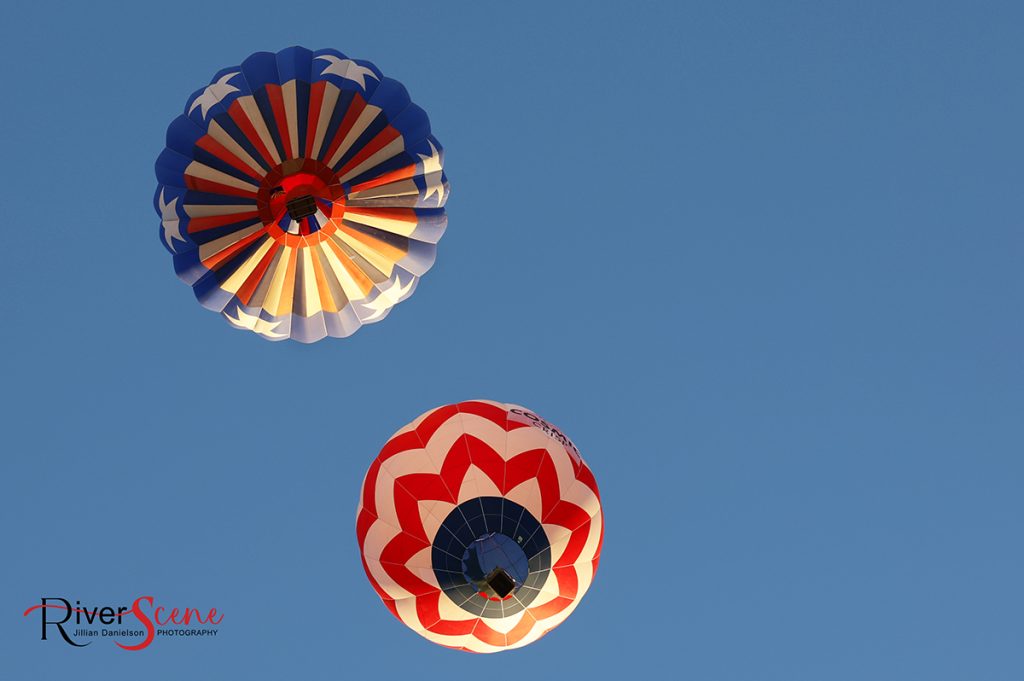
(301, 207)
(500, 582)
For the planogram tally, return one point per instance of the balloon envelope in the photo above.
(301, 194)
(480, 526)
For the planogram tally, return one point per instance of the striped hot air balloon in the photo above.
(480, 526)
(301, 194)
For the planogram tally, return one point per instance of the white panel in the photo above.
(584, 497)
(504, 624)
(489, 432)
(422, 560)
(527, 495)
(441, 441)
(389, 585)
(205, 172)
(385, 499)
(485, 487)
(524, 439)
(389, 150)
(408, 462)
(563, 465)
(550, 623)
(433, 513)
(585, 575)
(451, 612)
(558, 547)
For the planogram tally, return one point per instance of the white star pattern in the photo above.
(254, 323)
(347, 69)
(387, 298)
(213, 93)
(432, 166)
(169, 220)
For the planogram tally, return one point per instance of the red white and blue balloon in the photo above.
(301, 194)
(480, 526)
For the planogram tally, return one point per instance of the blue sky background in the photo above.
(763, 264)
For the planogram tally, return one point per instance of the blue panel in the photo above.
(465, 551)
(295, 63)
(259, 69)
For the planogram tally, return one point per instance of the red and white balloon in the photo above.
(480, 526)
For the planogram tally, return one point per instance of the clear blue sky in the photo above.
(763, 264)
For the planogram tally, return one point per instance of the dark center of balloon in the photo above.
(496, 565)
(298, 196)
(491, 557)
(301, 207)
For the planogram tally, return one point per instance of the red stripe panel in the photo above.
(407, 508)
(401, 548)
(217, 149)
(522, 467)
(211, 187)
(387, 178)
(547, 479)
(551, 608)
(316, 100)
(486, 459)
(493, 413)
(212, 221)
(522, 628)
(489, 636)
(437, 418)
(246, 290)
(355, 108)
(566, 514)
(407, 215)
(396, 445)
(455, 465)
(232, 250)
(573, 549)
(405, 578)
(370, 487)
(246, 126)
(586, 476)
(400, 443)
(281, 120)
(427, 611)
(390, 604)
(379, 141)
(376, 587)
(364, 521)
(393, 560)
(568, 580)
(427, 487)
(426, 615)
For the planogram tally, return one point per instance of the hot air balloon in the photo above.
(301, 194)
(480, 526)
